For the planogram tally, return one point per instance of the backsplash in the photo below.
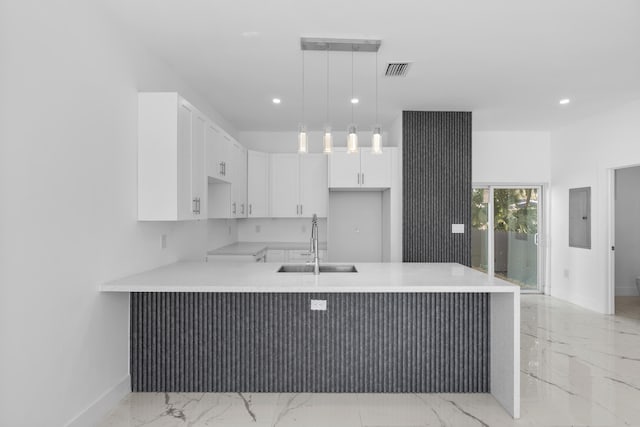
(221, 232)
(279, 230)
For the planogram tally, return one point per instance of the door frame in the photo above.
(543, 231)
(611, 238)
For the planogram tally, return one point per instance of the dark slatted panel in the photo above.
(391, 342)
(436, 186)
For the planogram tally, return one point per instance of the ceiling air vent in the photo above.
(397, 69)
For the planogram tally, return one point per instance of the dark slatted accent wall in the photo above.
(436, 186)
(365, 342)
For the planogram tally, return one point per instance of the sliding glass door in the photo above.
(505, 234)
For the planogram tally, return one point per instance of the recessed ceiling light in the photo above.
(564, 101)
(276, 100)
(354, 100)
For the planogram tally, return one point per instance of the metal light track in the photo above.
(339, 45)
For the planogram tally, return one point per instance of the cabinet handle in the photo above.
(249, 208)
(363, 179)
(301, 206)
(358, 178)
(221, 169)
(242, 209)
(193, 205)
(224, 168)
(234, 208)
(297, 209)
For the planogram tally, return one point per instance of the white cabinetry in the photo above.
(359, 170)
(218, 151)
(229, 200)
(298, 185)
(239, 181)
(258, 184)
(171, 175)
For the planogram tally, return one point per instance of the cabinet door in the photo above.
(238, 172)
(215, 147)
(314, 190)
(375, 170)
(185, 202)
(242, 183)
(258, 184)
(198, 177)
(284, 185)
(344, 169)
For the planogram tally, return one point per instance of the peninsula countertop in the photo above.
(263, 277)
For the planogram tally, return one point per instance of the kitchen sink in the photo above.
(308, 268)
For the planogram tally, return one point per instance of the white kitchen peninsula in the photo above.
(381, 341)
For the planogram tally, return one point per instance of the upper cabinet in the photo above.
(239, 207)
(218, 152)
(258, 184)
(228, 196)
(359, 170)
(298, 185)
(171, 145)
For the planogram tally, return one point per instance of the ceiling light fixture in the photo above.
(276, 100)
(327, 139)
(339, 45)
(376, 137)
(564, 101)
(303, 146)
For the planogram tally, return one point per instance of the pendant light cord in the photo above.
(327, 124)
(377, 123)
(303, 115)
(352, 74)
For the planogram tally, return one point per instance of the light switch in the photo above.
(457, 228)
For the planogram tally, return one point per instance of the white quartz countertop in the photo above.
(253, 248)
(262, 277)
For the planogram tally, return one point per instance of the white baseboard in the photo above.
(102, 405)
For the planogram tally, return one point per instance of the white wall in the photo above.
(511, 157)
(68, 145)
(221, 232)
(279, 230)
(627, 231)
(582, 155)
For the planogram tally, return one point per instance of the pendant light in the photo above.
(352, 138)
(376, 137)
(303, 146)
(327, 139)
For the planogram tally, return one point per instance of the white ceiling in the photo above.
(507, 61)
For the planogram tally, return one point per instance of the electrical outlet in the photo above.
(257, 228)
(163, 241)
(319, 304)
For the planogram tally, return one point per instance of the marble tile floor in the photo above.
(579, 368)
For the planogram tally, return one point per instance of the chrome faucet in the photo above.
(314, 245)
